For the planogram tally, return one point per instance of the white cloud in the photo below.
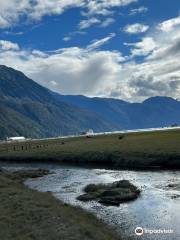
(67, 38)
(88, 23)
(3, 22)
(138, 10)
(136, 28)
(11, 11)
(95, 21)
(98, 43)
(99, 7)
(7, 45)
(107, 22)
(94, 72)
(142, 48)
(170, 24)
(87, 70)
(70, 35)
(13, 33)
(49, 7)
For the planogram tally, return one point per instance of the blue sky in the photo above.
(48, 34)
(116, 48)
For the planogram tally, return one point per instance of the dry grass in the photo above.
(160, 148)
(29, 215)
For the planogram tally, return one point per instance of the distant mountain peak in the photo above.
(14, 83)
(159, 99)
(10, 69)
(3, 66)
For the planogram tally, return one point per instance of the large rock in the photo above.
(110, 194)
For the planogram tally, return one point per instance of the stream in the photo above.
(157, 208)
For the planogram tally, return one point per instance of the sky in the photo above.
(126, 49)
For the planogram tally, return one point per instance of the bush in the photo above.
(121, 137)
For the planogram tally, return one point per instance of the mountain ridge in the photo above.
(156, 111)
(31, 110)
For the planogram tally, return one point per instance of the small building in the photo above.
(89, 132)
(16, 139)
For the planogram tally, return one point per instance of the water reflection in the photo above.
(158, 207)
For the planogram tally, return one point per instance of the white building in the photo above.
(90, 132)
(16, 139)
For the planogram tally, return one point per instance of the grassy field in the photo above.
(131, 150)
(29, 215)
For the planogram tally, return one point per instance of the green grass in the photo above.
(146, 149)
(29, 215)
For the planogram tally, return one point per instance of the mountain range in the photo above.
(30, 110)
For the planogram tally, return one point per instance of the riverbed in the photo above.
(157, 208)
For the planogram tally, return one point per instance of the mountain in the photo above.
(153, 112)
(28, 109)
(111, 110)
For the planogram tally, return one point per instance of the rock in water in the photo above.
(110, 194)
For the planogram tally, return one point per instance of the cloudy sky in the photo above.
(127, 49)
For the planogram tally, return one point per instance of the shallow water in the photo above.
(158, 207)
